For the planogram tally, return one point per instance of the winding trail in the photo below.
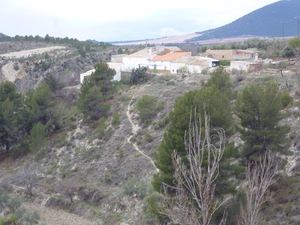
(135, 129)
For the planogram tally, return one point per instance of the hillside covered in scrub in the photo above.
(102, 152)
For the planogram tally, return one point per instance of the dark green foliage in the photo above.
(102, 77)
(152, 206)
(95, 91)
(92, 105)
(138, 76)
(13, 212)
(161, 123)
(46, 65)
(288, 52)
(208, 99)
(8, 128)
(37, 135)
(115, 119)
(147, 108)
(286, 99)
(294, 43)
(16, 66)
(53, 83)
(120, 51)
(85, 46)
(8, 90)
(19, 114)
(221, 79)
(10, 106)
(224, 63)
(39, 107)
(101, 127)
(259, 107)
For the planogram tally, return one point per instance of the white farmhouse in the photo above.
(159, 59)
(194, 64)
(245, 65)
(164, 63)
(144, 57)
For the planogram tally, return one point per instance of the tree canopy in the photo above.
(20, 113)
(209, 99)
(258, 107)
(294, 43)
(95, 91)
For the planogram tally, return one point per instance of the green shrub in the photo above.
(224, 63)
(161, 123)
(2, 221)
(13, 218)
(101, 127)
(16, 66)
(148, 137)
(147, 108)
(136, 186)
(286, 99)
(115, 119)
(16, 213)
(37, 136)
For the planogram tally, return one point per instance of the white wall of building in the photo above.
(239, 65)
(118, 67)
(134, 62)
(195, 68)
(87, 73)
(175, 66)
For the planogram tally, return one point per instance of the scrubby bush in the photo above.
(286, 99)
(137, 187)
(101, 127)
(147, 108)
(115, 119)
(16, 213)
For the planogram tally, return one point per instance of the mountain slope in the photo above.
(275, 20)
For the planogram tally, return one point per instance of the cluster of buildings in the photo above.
(240, 60)
(172, 60)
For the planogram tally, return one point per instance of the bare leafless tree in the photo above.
(29, 177)
(194, 201)
(68, 188)
(259, 176)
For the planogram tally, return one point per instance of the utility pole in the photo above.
(298, 22)
(283, 22)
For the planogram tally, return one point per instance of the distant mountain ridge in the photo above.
(278, 19)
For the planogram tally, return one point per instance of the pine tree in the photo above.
(208, 99)
(95, 91)
(258, 107)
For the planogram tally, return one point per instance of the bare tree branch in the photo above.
(195, 202)
(259, 176)
(29, 178)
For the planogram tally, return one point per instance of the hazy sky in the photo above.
(118, 20)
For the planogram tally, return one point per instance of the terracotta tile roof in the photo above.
(171, 56)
